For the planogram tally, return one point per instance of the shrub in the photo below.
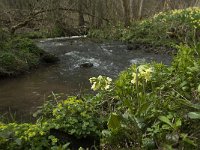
(24, 45)
(18, 55)
(75, 117)
(11, 62)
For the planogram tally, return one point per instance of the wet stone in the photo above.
(86, 65)
(131, 47)
(49, 58)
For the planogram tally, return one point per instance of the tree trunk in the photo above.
(100, 13)
(126, 7)
(93, 11)
(197, 3)
(140, 9)
(81, 20)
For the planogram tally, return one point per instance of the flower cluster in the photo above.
(143, 72)
(101, 82)
(190, 16)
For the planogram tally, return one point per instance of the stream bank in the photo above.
(22, 95)
(19, 55)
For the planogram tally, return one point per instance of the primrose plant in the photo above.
(143, 72)
(100, 83)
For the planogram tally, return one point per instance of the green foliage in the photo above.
(11, 62)
(149, 106)
(27, 136)
(165, 28)
(18, 55)
(75, 117)
(162, 113)
(72, 116)
(34, 34)
(23, 44)
(156, 106)
(109, 32)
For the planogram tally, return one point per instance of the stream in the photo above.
(21, 96)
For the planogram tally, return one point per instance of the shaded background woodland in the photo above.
(69, 16)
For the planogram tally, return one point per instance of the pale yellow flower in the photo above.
(134, 78)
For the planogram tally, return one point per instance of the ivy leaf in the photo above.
(114, 121)
(194, 115)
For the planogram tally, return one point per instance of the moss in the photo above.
(18, 55)
(11, 63)
(25, 45)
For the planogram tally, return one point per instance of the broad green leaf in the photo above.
(165, 120)
(114, 121)
(178, 123)
(194, 115)
(198, 88)
(166, 127)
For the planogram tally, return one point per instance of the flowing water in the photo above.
(22, 95)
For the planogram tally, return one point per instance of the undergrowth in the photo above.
(149, 106)
(19, 54)
(166, 28)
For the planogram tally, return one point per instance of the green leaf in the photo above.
(144, 108)
(183, 84)
(194, 115)
(189, 104)
(165, 120)
(187, 140)
(114, 121)
(178, 123)
(166, 127)
(198, 88)
(128, 103)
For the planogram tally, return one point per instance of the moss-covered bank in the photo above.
(18, 55)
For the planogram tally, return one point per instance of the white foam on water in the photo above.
(72, 53)
(107, 51)
(63, 38)
(137, 61)
(59, 44)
